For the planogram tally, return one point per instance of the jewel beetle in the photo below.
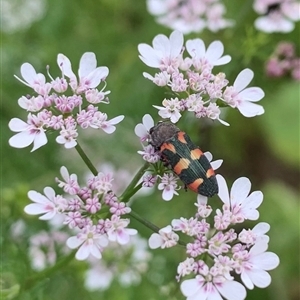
(184, 158)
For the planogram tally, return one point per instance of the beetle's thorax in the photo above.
(162, 132)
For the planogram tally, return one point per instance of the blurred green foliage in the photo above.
(265, 149)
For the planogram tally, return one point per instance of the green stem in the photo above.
(133, 187)
(144, 222)
(150, 225)
(132, 192)
(32, 280)
(86, 160)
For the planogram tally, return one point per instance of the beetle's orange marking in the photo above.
(210, 172)
(181, 165)
(196, 154)
(167, 146)
(181, 138)
(195, 185)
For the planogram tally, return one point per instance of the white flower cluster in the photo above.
(195, 88)
(230, 252)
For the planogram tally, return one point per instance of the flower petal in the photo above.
(148, 56)
(216, 164)
(249, 109)
(202, 200)
(251, 214)
(260, 278)
(102, 241)
(17, 125)
(258, 248)
(167, 194)
(208, 155)
(214, 51)
(243, 79)
(190, 287)
(247, 281)
(161, 44)
(64, 173)
(49, 192)
(48, 216)
(291, 10)
(28, 73)
(232, 290)
(209, 292)
(116, 120)
(40, 139)
(21, 139)
(155, 241)
(261, 228)
(87, 64)
(223, 60)
(176, 42)
(109, 129)
(94, 78)
(148, 121)
(34, 209)
(223, 189)
(240, 190)
(254, 200)
(252, 94)
(83, 252)
(267, 261)
(73, 242)
(95, 251)
(140, 130)
(37, 197)
(148, 76)
(156, 7)
(65, 65)
(195, 48)
(123, 238)
(267, 24)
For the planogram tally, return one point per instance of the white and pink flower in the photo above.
(202, 56)
(69, 183)
(34, 80)
(100, 121)
(257, 233)
(89, 241)
(149, 154)
(48, 205)
(31, 132)
(170, 109)
(142, 129)
(68, 135)
(276, 16)
(242, 98)
(190, 15)
(89, 74)
(253, 265)
(117, 231)
(168, 185)
(242, 205)
(165, 53)
(212, 287)
(165, 238)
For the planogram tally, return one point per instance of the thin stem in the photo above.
(132, 192)
(150, 225)
(86, 159)
(32, 280)
(133, 187)
(144, 222)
